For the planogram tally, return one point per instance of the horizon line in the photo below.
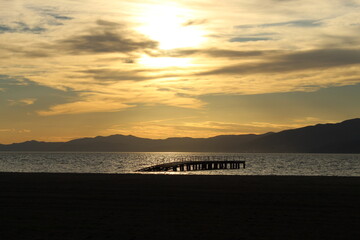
(130, 135)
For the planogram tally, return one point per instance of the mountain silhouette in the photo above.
(341, 137)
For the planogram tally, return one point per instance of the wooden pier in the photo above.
(195, 166)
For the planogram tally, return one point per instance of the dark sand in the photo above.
(100, 206)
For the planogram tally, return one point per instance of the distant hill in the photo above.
(341, 137)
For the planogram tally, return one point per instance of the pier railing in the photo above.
(197, 163)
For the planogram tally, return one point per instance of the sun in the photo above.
(167, 25)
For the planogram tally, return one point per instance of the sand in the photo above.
(105, 206)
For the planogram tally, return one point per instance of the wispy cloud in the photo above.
(215, 52)
(106, 74)
(16, 130)
(249, 39)
(21, 27)
(296, 61)
(24, 102)
(86, 106)
(296, 23)
(194, 22)
(59, 17)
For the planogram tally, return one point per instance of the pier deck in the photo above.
(195, 166)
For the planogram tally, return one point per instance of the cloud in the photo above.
(50, 15)
(89, 105)
(306, 23)
(114, 97)
(106, 37)
(16, 130)
(193, 22)
(249, 39)
(297, 61)
(124, 75)
(4, 28)
(199, 129)
(22, 102)
(59, 17)
(21, 27)
(91, 56)
(216, 52)
(5, 130)
(6, 81)
(312, 120)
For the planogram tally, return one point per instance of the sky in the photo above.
(157, 69)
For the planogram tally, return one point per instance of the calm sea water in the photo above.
(256, 164)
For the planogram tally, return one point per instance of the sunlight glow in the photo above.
(167, 25)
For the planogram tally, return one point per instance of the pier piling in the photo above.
(197, 164)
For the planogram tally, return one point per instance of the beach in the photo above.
(155, 206)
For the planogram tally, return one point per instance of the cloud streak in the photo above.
(305, 23)
(297, 61)
(249, 39)
(85, 106)
(21, 27)
(165, 128)
(215, 53)
(115, 75)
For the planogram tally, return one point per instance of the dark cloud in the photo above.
(6, 80)
(249, 39)
(164, 89)
(17, 88)
(214, 52)
(334, 41)
(233, 53)
(109, 24)
(59, 17)
(21, 27)
(51, 15)
(128, 60)
(4, 28)
(194, 22)
(297, 23)
(297, 61)
(106, 75)
(114, 75)
(106, 37)
(34, 53)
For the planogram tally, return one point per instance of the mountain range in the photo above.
(343, 137)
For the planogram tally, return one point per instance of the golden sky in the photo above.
(161, 69)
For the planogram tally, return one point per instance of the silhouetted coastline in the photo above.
(341, 137)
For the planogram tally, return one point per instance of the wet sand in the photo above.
(104, 206)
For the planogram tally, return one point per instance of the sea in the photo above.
(296, 164)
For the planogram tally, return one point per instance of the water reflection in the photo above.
(256, 164)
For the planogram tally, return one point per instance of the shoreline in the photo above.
(170, 173)
(164, 206)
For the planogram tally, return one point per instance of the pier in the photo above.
(195, 165)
